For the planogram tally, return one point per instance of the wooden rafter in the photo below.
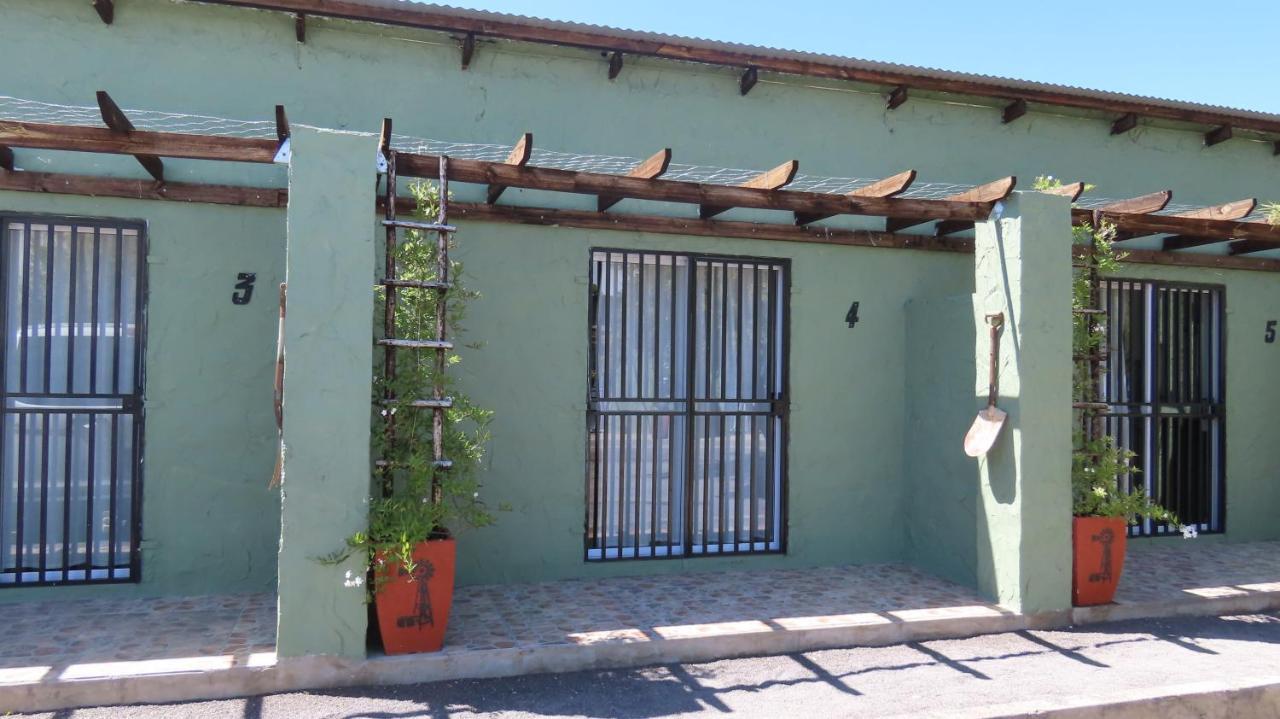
(6, 158)
(1226, 211)
(888, 187)
(1013, 111)
(1219, 134)
(655, 166)
(436, 18)
(1142, 204)
(106, 10)
(986, 194)
(282, 125)
(1173, 243)
(468, 44)
(519, 157)
(1245, 247)
(774, 179)
(660, 190)
(1071, 190)
(615, 64)
(300, 27)
(896, 97)
(115, 119)
(750, 77)
(1124, 123)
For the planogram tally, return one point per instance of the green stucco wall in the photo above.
(850, 484)
(209, 521)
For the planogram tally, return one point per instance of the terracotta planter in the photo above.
(1097, 560)
(413, 608)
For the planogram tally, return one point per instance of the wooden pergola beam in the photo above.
(89, 186)
(653, 167)
(986, 194)
(750, 77)
(6, 158)
(1194, 227)
(1173, 243)
(888, 187)
(115, 119)
(774, 179)
(106, 10)
(1142, 204)
(1013, 111)
(300, 27)
(75, 138)
(1226, 211)
(519, 157)
(615, 64)
(659, 190)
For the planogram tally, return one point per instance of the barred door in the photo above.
(71, 412)
(687, 405)
(1164, 385)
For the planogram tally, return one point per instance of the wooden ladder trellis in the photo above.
(391, 341)
(1092, 405)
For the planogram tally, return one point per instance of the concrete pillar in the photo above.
(328, 362)
(1022, 267)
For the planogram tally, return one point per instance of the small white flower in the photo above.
(1189, 531)
(393, 410)
(384, 413)
(353, 580)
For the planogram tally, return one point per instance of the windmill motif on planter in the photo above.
(422, 572)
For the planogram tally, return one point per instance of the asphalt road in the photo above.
(995, 675)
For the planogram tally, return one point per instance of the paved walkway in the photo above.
(1203, 667)
(67, 653)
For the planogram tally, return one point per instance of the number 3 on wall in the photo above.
(1270, 336)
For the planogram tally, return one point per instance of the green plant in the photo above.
(411, 500)
(1101, 472)
(1271, 211)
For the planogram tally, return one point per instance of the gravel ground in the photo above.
(952, 678)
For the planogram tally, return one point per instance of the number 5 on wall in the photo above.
(1271, 331)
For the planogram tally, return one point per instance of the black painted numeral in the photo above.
(244, 288)
(1270, 336)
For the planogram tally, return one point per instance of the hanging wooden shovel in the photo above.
(986, 426)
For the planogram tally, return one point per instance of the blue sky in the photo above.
(1223, 52)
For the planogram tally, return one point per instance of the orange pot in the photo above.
(1098, 559)
(413, 607)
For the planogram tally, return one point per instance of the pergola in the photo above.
(909, 222)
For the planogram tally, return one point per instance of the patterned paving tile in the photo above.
(582, 612)
(1184, 570)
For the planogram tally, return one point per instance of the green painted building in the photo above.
(844, 436)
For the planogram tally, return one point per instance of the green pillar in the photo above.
(1022, 267)
(328, 361)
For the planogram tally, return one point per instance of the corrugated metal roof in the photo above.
(997, 84)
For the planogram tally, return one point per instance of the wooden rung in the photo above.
(413, 225)
(443, 403)
(439, 463)
(1089, 312)
(417, 344)
(416, 284)
(1090, 405)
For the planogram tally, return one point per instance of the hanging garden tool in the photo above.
(986, 426)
